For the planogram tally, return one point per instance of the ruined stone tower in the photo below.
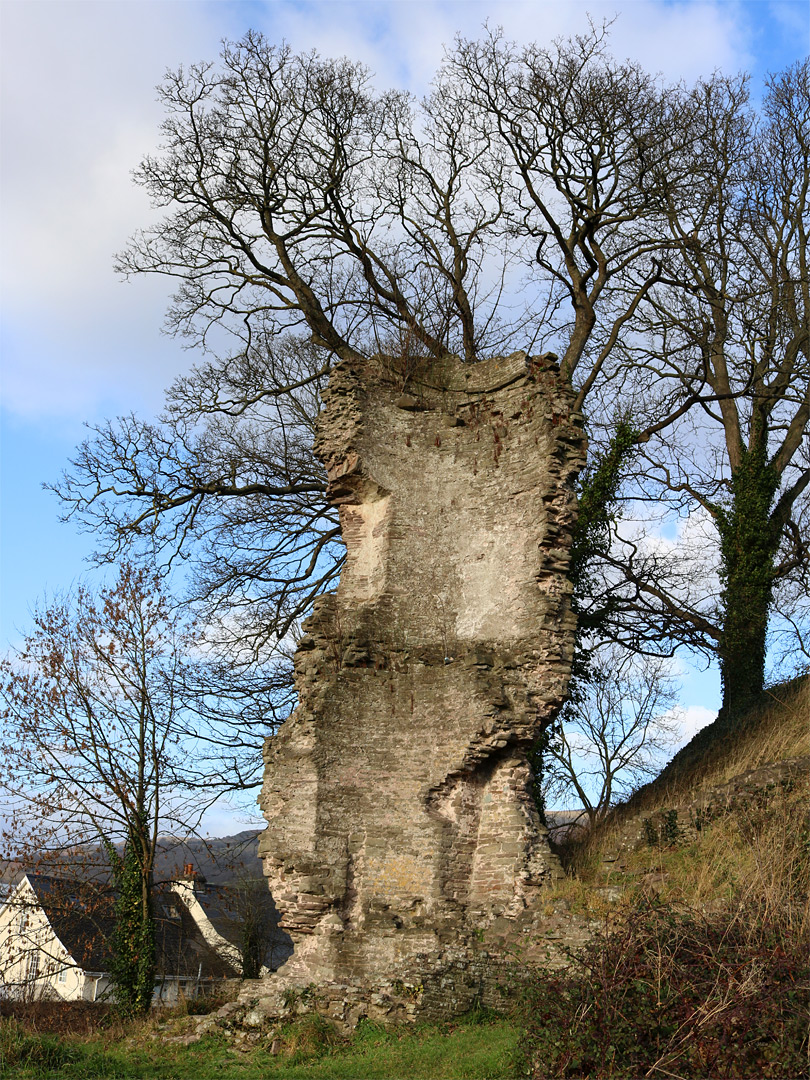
(400, 824)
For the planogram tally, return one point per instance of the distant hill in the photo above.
(217, 859)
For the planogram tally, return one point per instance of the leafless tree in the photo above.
(227, 477)
(731, 313)
(301, 195)
(298, 198)
(613, 736)
(252, 919)
(591, 148)
(538, 198)
(95, 739)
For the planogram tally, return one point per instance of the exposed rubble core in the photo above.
(400, 823)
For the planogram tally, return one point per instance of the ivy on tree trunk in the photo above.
(598, 495)
(133, 939)
(748, 546)
(598, 498)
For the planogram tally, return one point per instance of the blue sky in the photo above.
(79, 111)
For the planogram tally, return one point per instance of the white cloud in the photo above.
(683, 40)
(687, 549)
(80, 111)
(403, 42)
(689, 722)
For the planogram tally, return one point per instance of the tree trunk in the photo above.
(748, 544)
(133, 940)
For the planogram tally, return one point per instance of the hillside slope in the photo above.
(688, 915)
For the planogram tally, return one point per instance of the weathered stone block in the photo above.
(400, 784)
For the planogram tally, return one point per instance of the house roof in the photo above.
(221, 905)
(181, 947)
(82, 917)
(241, 905)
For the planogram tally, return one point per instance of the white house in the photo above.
(54, 933)
(43, 952)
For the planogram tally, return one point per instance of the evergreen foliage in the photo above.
(748, 547)
(252, 949)
(598, 497)
(598, 504)
(132, 968)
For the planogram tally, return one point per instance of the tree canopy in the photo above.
(546, 198)
(93, 744)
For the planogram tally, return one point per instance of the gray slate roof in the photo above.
(82, 917)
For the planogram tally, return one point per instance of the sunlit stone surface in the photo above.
(400, 824)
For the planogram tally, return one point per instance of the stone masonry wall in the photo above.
(400, 823)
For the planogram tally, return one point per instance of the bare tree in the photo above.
(94, 746)
(539, 197)
(300, 195)
(731, 313)
(229, 466)
(612, 736)
(297, 198)
(592, 148)
(252, 920)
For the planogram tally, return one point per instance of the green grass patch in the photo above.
(469, 1049)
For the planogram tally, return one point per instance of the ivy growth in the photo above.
(132, 968)
(598, 498)
(748, 546)
(252, 948)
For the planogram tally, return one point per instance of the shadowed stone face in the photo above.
(399, 819)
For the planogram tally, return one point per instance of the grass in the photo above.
(700, 966)
(776, 729)
(465, 1049)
